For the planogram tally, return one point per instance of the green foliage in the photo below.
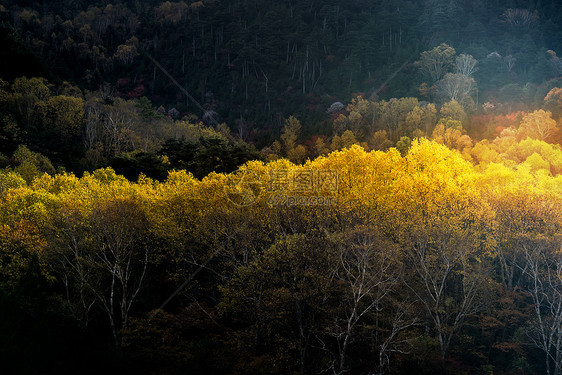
(403, 145)
(64, 114)
(149, 164)
(437, 62)
(453, 110)
(280, 296)
(207, 154)
(147, 110)
(29, 164)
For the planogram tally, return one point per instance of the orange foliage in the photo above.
(479, 126)
(490, 126)
(509, 120)
(554, 95)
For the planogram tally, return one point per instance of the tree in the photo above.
(553, 101)
(436, 62)
(20, 244)
(361, 117)
(370, 272)
(172, 12)
(543, 268)
(290, 134)
(103, 258)
(279, 298)
(346, 140)
(379, 141)
(125, 54)
(403, 145)
(210, 152)
(393, 115)
(319, 146)
(29, 164)
(520, 17)
(539, 125)
(453, 110)
(466, 65)
(297, 154)
(449, 281)
(114, 125)
(510, 62)
(451, 136)
(64, 114)
(147, 110)
(26, 94)
(456, 87)
(555, 62)
(443, 246)
(422, 118)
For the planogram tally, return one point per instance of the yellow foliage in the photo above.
(451, 137)
(536, 163)
(431, 191)
(539, 125)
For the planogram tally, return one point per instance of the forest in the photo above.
(281, 187)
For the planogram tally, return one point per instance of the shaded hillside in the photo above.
(255, 62)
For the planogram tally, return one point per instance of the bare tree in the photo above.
(539, 125)
(508, 249)
(391, 340)
(466, 65)
(370, 272)
(456, 86)
(69, 253)
(543, 268)
(104, 260)
(448, 281)
(509, 63)
(520, 17)
(92, 131)
(108, 125)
